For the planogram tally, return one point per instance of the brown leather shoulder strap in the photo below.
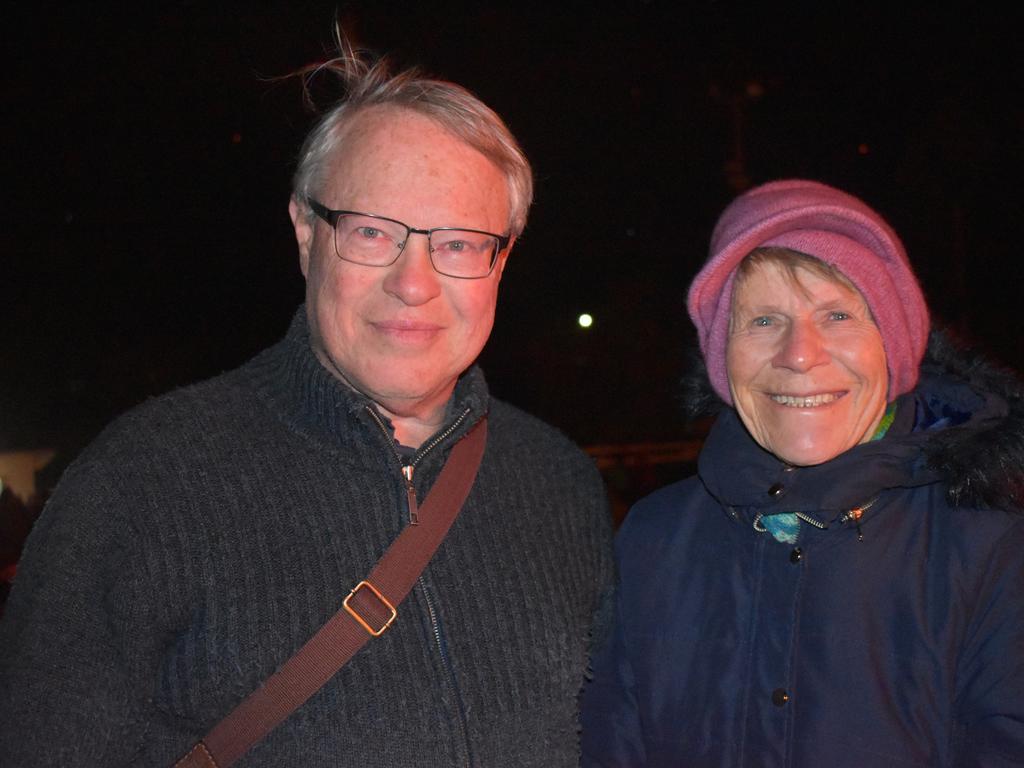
(368, 611)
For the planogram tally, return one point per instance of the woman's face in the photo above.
(806, 364)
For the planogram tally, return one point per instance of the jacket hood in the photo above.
(967, 432)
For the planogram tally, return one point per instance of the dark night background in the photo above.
(148, 155)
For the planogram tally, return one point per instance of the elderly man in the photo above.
(207, 535)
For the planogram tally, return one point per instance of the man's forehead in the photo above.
(396, 128)
(400, 162)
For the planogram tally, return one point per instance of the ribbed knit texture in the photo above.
(207, 534)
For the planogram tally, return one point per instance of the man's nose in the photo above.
(412, 278)
(802, 347)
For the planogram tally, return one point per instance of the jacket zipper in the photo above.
(854, 516)
(408, 471)
(759, 526)
(810, 520)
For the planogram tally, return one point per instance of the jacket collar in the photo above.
(963, 426)
(748, 479)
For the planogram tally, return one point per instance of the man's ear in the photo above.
(303, 225)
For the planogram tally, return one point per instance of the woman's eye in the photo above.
(839, 315)
(762, 322)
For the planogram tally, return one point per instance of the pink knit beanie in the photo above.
(840, 230)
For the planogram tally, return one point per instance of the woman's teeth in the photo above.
(805, 402)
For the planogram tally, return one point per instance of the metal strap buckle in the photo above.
(365, 625)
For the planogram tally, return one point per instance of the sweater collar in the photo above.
(311, 399)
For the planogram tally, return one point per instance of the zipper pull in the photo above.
(854, 515)
(410, 492)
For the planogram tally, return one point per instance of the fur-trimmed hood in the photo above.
(970, 419)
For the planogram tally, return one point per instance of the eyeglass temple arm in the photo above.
(322, 211)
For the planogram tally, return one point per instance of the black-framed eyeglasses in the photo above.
(377, 241)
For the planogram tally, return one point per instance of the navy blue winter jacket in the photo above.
(891, 634)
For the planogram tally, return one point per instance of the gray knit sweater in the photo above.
(207, 534)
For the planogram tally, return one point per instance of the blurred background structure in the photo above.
(146, 242)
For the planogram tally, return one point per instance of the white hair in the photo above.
(371, 84)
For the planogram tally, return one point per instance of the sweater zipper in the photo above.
(408, 471)
(461, 722)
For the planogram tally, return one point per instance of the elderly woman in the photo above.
(843, 582)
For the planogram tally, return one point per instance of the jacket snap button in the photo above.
(779, 697)
(796, 555)
(776, 490)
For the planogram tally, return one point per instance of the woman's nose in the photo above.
(802, 347)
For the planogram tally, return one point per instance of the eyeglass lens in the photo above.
(378, 242)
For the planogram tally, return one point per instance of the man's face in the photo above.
(402, 334)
